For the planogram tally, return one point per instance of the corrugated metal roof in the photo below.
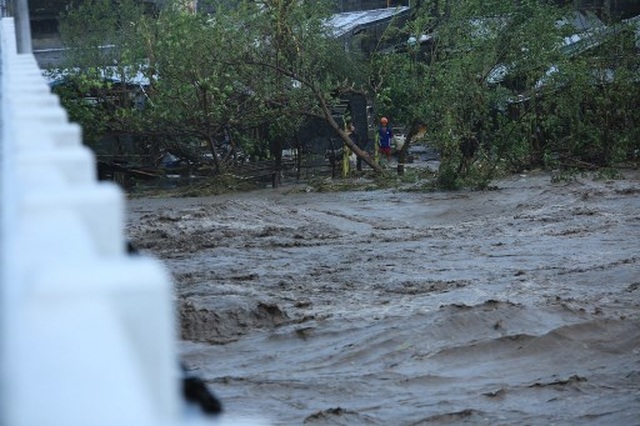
(110, 73)
(343, 23)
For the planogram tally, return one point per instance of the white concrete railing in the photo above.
(86, 331)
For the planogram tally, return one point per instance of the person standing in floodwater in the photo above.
(385, 135)
(357, 140)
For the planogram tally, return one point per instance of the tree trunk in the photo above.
(276, 151)
(214, 152)
(402, 154)
(298, 159)
(354, 148)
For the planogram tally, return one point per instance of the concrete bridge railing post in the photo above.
(86, 330)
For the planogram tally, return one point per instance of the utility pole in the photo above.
(22, 24)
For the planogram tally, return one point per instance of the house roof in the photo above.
(347, 22)
(111, 73)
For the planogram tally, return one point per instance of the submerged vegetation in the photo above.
(500, 86)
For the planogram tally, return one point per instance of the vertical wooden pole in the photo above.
(376, 148)
(346, 152)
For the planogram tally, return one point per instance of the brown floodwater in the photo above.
(518, 305)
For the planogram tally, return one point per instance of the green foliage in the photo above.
(247, 74)
(219, 184)
(413, 179)
(197, 94)
(493, 83)
(102, 38)
(100, 32)
(592, 113)
(496, 90)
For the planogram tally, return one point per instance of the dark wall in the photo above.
(358, 113)
(351, 5)
(614, 9)
(43, 15)
(316, 136)
(625, 8)
(46, 9)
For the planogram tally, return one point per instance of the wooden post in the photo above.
(346, 152)
(376, 149)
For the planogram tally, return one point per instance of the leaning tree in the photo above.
(304, 67)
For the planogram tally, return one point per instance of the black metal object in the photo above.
(195, 391)
(316, 136)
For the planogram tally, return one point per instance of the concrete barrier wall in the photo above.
(86, 331)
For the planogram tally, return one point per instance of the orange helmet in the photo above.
(384, 121)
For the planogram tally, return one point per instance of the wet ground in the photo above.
(518, 305)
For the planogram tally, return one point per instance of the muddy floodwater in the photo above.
(519, 305)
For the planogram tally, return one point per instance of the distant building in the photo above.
(44, 16)
(354, 5)
(361, 30)
(614, 9)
